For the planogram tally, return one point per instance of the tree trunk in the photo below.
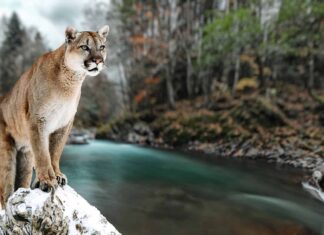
(237, 53)
(236, 73)
(124, 87)
(225, 72)
(226, 61)
(310, 80)
(169, 87)
(188, 39)
(263, 58)
(274, 75)
(206, 87)
(227, 7)
(189, 74)
(259, 61)
(171, 22)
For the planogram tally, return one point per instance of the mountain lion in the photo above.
(36, 116)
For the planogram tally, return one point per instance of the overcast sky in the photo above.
(51, 17)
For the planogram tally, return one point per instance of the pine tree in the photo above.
(33, 48)
(11, 54)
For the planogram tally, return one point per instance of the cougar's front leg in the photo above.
(25, 163)
(7, 166)
(45, 176)
(57, 142)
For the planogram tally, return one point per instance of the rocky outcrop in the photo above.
(81, 136)
(61, 213)
(130, 130)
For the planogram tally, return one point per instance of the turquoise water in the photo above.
(147, 191)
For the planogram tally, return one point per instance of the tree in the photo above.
(301, 33)
(161, 39)
(19, 50)
(10, 53)
(173, 50)
(3, 23)
(227, 37)
(99, 102)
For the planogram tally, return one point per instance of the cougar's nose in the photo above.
(97, 60)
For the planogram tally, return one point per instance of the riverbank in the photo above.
(285, 126)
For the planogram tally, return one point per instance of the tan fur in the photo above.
(36, 116)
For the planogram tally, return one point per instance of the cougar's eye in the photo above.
(102, 47)
(85, 48)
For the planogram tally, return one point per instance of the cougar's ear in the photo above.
(70, 34)
(103, 32)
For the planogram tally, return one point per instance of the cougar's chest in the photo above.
(59, 113)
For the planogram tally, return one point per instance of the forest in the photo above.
(229, 77)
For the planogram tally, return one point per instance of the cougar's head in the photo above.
(86, 51)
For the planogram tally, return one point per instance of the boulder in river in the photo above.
(61, 213)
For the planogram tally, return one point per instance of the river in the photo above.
(144, 191)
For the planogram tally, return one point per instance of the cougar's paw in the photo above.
(45, 186)
(61, 179)
(45, 180)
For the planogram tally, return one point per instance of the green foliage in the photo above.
(297, 32)
(234, 31)
(299, 25)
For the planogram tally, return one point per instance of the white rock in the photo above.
(64, 212)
